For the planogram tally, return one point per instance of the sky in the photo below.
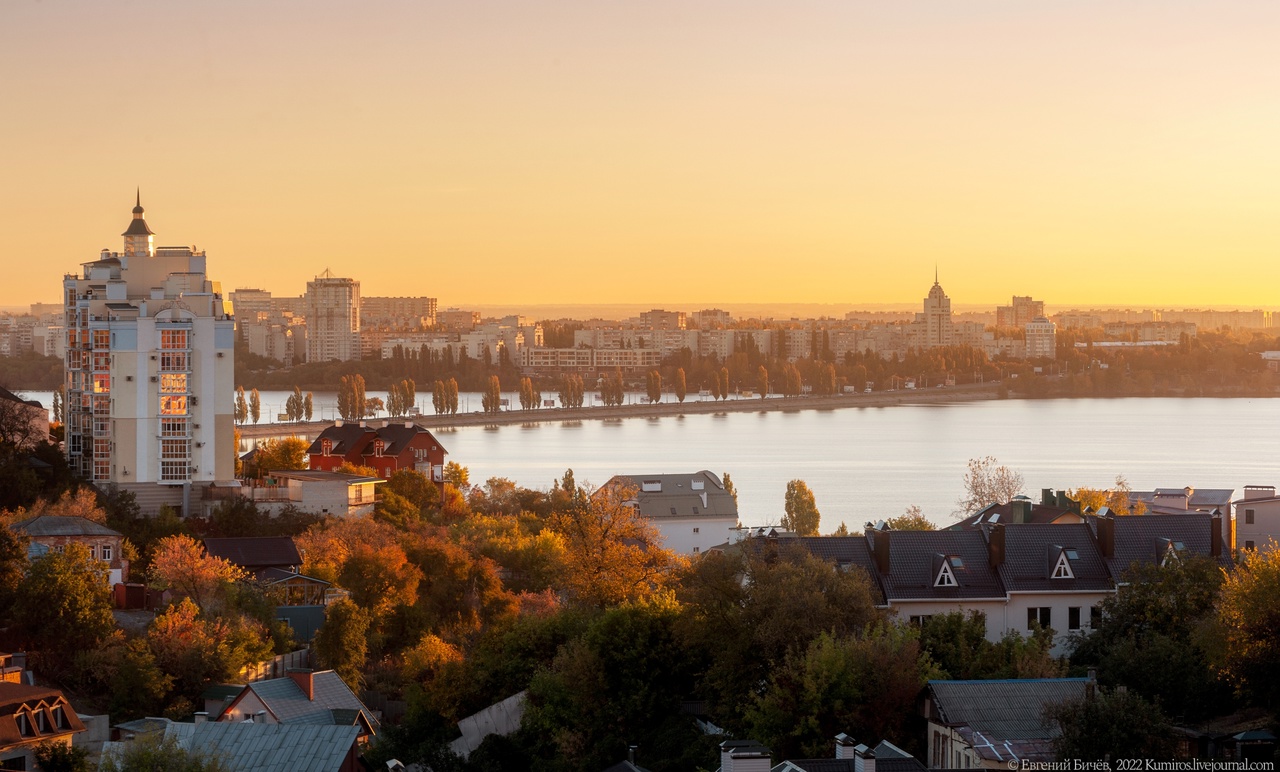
(682, 152)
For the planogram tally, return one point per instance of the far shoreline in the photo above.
(965, 393)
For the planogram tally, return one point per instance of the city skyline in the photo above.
(697, 155)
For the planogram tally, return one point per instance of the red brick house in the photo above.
(387, 448)
(55, 532)
(30, 715)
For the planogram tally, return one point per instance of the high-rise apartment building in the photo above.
(933, 327)
(397, 313)
(149, 370)
(333, 318)
(1042, 340)
(1019, 313)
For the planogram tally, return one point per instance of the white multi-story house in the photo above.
(333, 318)
(1041, 337)
(693, 512)
(149, 371)
(1257, 518)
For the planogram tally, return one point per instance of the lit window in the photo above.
(101, 383)
(173, 339)
(173, 383)
(102, 339)
(173, 405)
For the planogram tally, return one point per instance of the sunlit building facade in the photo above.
(149, 370)
(333, 318)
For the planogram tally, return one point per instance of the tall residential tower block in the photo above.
(149, 371)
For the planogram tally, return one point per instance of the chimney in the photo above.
(844, 746)
(1107, 537)
(260, 717)
(1215, 535)
(386, 424)
(864, 759)
(1047, 498)
(201, 716)
(1021, 511)
(305, 678)
(995, 545)
(337, 422)
(408, 424)
(880, 547)
(1259, 492)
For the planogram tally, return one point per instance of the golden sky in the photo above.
(680, 152)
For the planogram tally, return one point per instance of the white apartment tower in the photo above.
(333, 318)
(149, 371)
(934, 327)
(1041, 337)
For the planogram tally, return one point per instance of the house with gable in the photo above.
(1053, 575)
(29, 716)
(303, 697)
(387, 448)
(249, 745)
(55, 532)
(923, 573)
(1160, 539)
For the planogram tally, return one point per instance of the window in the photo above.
(171, 404)
(106, 553)
(60, 717)
(93, 552)
(326, 447)
(695, 550)
(919, 619)
(1095, 617)
(173, 470)
(174, 361)
(1039, 615)
(945, 577)
(673, 510)
(173, 427)
(1062, 568)
(102, 339)
(1073, 618)
(173, 383)
(1249, 545)
(695, 530)
(695, 510)
(24, 724)
(101, 383)
(1248, 517)
(173, 339)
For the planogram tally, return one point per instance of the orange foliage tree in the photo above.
(180, 564)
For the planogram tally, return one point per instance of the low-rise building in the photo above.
(303, 697)
(1257, 518)
(29, 716)
(55, 532)
(316, 491)
(387, 448)
(693, 512)
(994, 724)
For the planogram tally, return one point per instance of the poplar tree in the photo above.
(681, 387)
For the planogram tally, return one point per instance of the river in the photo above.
(870, 463)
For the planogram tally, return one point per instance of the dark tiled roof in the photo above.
(254, 552)
(1004, 710)
(1004, 513)
(913, 563)
(397, 437)
(678, 493)
(346, 439)
(1031, 553)
(61, 525)
(1140, 538)
(14, 696)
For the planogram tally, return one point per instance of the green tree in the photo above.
(414, 486)
(802, 516)
(730, 489)
(911, 520)
(255, 405)
(342, 642)
(152, 753)
(681, 386)
(56, 757)
(1110, 724)
(63, 606)
(957, 643)
(1249, 620)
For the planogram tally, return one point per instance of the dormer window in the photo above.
(1062, 563)
(378, 447)
(946, 575)
(24, 724)
(326, 447)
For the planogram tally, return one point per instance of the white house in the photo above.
(693, 512)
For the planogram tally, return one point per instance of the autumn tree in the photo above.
(730, 489)
(414, 486)
(295, 405)
(351, 397)
(181, 564)
(451, 395)
(986, 483)
(724, 383)
(282, 453)
(912, 519)
(526, 394)
(613, 554)
(491, 400)
(1116, 498)
(439, 401)
(802, 516)
(241, 409)
(762, 381)
(308, 407)
(681, 386)
(197, 650)
(255, 405)
(379, 578)
(63, 606)
(653, 386)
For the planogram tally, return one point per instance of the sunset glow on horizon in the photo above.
(582, 152)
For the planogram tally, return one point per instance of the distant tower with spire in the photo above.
(934, 327)
(139, 240)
